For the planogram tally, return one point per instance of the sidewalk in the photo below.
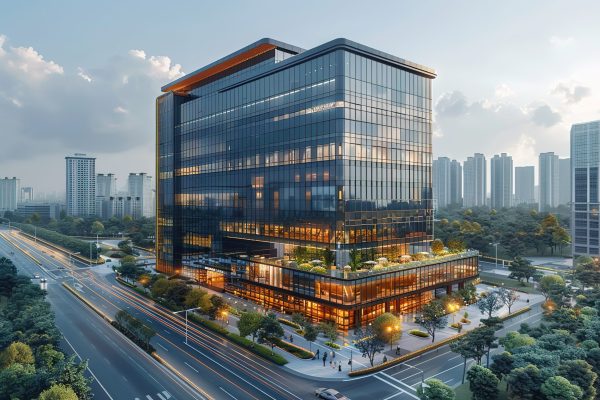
(407, 342)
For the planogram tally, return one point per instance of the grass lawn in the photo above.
(498, 280)
(464, 393)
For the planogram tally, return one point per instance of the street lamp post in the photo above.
(496, 246)
(72, 265)
(186, 320)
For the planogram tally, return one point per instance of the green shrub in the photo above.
(465, 321)
(293, 349)
(416, 332)
(333, 345)
(67, 242)
(455, 325)
(289, 323)
(257, 349)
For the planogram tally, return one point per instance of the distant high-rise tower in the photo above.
(475, 181)
(140, 185)
(81, 185)
(456, 196)
(525, 185)
(447, 182)
(564, 181)
(548, 179)
(9, 192)
(502, 181)
(585, 161)
(106, 185)
(26, 194)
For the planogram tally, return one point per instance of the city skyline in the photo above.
(530, 108)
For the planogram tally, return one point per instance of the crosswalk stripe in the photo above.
(160, 396)
(167, 394)
(149, 397)
(394, 386)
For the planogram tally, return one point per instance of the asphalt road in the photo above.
(120, 370)
(226, 371)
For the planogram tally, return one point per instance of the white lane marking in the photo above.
(168, 332)
(394, 395)
(164, 348)
(449, 380)
(185, 362)
(88, 368)
(397, 380)
(238, 376)
(227, 393)
(394, 386)
(149, 397)
(167, 394)
(160, 396)
(446, 370)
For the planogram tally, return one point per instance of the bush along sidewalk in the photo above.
(297, 351)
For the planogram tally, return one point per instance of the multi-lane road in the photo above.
(217, 368)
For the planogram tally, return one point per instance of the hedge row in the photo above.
(294, 350)
(67, 242)
(289, 323)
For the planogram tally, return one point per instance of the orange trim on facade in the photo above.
(194, 80)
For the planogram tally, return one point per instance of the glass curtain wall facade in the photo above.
(274, 147)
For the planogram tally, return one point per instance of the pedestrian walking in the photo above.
(332, 355)
(324, 358)
(318, 352)
(340, 367)
(384, 359)
(291, 338)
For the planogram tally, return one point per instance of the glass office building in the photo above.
(273, 148)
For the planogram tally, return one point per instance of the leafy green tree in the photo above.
(300, 319)
(433, 317)
(368, 343)
(468, 346)
(387, 327)
(550, 284)
(128, 268)
(72, 374)
(520, 269)
(197, 298)
(16, 353)
(97, 228)
(587, 271)
(329, 330)
(559, 388)
(269, 330)
(58, 392)
(328, 257)
(218, 307)
(177, 292)
(435, 390)
(490, 304)
(249, 324)
(437, 246)
(18, 381)
(355, 259)
(159, 288)
(525, 382)
(456, 245)
(48, 357)
(483, 383)
(502, 364)
(514, 340)
(310, 334)
(580, 373)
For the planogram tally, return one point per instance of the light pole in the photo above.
(35, 233)
(496, 246)
(72, 265)
(186, 320)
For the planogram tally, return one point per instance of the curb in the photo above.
(87, 303)
(179, 375)
(35, 260)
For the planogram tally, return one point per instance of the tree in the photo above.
(514, 340)
(218, 306)
(58, 392)
(580, 373)
(269, 330)
(328, 257)
(249, 323)
(433, 317)
(16, 353)
(177, 292)
(508, 297)
(387, 327)
(553, 287)
(456, 245)
(502, 364)
(355, 259)
(483, 383)
(18, 381)
(197, 298)
(587, 271)
(128, 268)
(520, 269)
(97, 228)
(310, 334)
(48, 357)
(483, 338)
(435, 390)
(159, 288)
(559, 388)
(490, 304)
(525, 382)
(299, 318)
(72, 374)
(437, 246)
(329, 330)
(463, 347)
(368, 343)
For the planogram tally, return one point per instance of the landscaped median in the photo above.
(22, 250)
(88, 303)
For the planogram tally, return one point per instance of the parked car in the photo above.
(329, 394)
(36, 276)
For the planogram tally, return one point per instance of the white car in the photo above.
(329, 394)
(36, 276)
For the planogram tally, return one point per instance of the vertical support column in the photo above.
(449, 289)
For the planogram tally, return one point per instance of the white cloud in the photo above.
(503, 91)
(523, 151)
(544, 115)
(2, 41)
(558, 41)
(572, 93)
(138, 54)
(120, 110)
(32, 63)
(83, 75)
(16, 102)
(162, 66)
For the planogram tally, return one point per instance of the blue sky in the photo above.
(513, 75)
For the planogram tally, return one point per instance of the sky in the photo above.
(83, 76)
